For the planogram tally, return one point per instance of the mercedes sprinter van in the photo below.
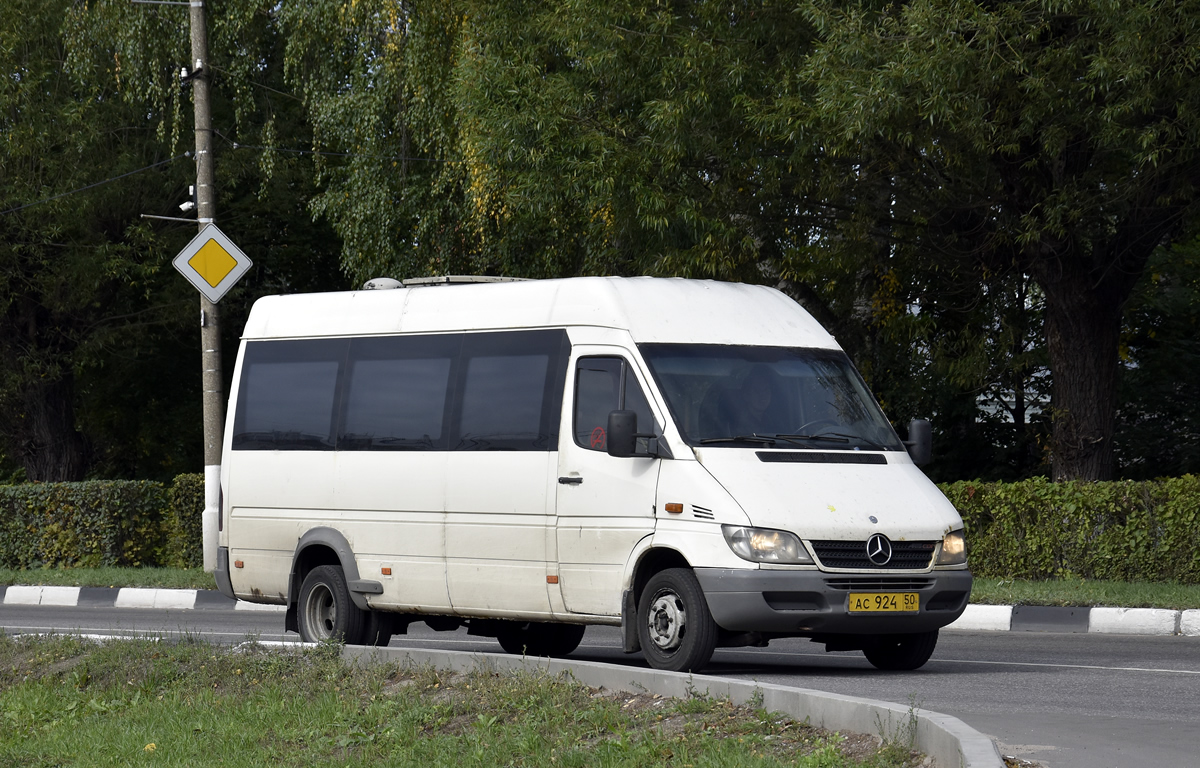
(695, 462)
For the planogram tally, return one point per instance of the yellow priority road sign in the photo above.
(212, 263)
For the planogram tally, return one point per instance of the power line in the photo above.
(92, 186)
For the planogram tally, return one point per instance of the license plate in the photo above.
(884, 602)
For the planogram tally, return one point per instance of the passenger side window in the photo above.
(512, 385)
(602, 385)
(396, 393)
(287, 395)
(500, 391)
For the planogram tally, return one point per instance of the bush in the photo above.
(1123, 531)
(91, 524)
(1034, 529)
(185, 536)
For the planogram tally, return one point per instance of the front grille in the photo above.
(878, 585)
(906, 555)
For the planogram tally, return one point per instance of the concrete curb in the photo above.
(129, 597)
(949, 741)
(977, 618)
(1103, 620)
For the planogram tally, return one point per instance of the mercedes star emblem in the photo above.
(879, 549)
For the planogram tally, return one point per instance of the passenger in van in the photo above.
(757, 406)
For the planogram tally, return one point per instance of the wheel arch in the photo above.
(324, 546)
(650, 562)
(643, 565)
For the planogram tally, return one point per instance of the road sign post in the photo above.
(213, 264)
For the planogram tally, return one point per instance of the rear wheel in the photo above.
(675, 627)
(326, 611)
(901, 652)
(535, 639)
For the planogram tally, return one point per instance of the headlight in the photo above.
(762, 545)
(954, 549)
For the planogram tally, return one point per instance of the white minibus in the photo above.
(695, 462)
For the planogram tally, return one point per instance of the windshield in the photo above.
(768, 396)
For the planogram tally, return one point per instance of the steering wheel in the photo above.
(803, 428)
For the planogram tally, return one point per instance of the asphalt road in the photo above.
(1065, 700)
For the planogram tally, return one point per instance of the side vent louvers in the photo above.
(702, 514)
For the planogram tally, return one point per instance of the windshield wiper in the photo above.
(740, 439)
(876, 446)
(832, 437)
(835, 437)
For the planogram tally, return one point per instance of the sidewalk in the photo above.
(986, 618)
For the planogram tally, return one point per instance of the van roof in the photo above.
(651, 309)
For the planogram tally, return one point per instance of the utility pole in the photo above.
(210, 325)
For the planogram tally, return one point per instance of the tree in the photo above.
(615, 137)
(80, 276)
(1054, 140)
(1158, 428)
(98, 353)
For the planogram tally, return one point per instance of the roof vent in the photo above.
(461, 280)
(381, 283)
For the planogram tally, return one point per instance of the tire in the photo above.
(537, 639)
(325, 610)
(674, 625)
(901, 652)
(377, 629)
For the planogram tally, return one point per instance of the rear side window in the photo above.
(288, 395)
(397, 392)
(482, 391)
(603, 385)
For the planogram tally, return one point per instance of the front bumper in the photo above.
(811, 603)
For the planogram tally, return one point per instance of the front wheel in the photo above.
(531, 638)
(675, 627)
(901, 652)
(326, 611)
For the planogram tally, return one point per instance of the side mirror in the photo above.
(623, 438)
(622, 433)
(920, 441)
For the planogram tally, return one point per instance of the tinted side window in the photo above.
(602, 385)
(511, 388)
(287, 395)
(397, 392)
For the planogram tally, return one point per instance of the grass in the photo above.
(1078, 592)
(67, 702)
(1069, 592)
(168, 578)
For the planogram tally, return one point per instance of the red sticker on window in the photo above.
(599, 439)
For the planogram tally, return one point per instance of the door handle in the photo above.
(570, 480)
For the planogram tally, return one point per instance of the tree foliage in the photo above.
(1158, 427)
(82, 288)
(964, 193)
(99, 365)
(1051, 139)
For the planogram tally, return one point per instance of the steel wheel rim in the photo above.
(667, 620)
(320, 612)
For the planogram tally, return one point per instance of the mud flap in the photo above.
(629, 633)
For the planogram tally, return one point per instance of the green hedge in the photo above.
(91, 524)
(1124, 531)
(102, 523)
(185, 540)
(1034, 529)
